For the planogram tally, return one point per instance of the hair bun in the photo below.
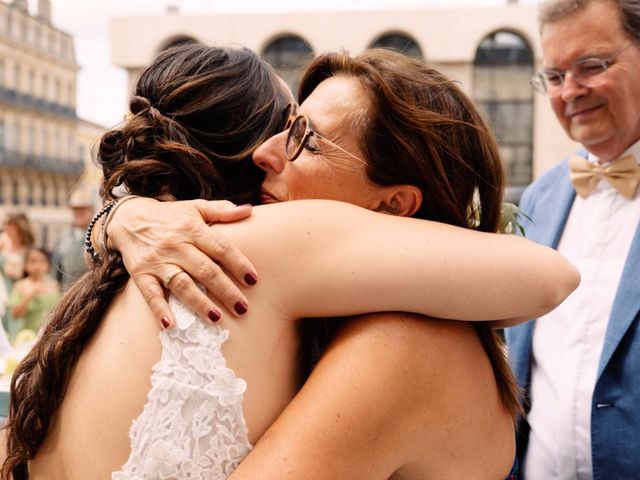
(138, 103)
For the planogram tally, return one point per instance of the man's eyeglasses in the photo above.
(300, 134)
(588, 72)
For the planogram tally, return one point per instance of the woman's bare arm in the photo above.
(342, 260)
(326, 258)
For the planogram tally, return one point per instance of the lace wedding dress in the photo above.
(192, 426)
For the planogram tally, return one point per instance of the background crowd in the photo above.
(32, 279)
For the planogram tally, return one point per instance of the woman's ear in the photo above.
(399, 200)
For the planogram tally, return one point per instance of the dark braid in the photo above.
(39, 382)
(197, 116)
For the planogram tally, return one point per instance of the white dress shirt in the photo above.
(567, 343)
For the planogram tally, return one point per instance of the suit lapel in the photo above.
(550, 222)
(626, 304)
(553, 207)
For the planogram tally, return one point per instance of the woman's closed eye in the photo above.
(311, 146)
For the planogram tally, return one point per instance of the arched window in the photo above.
(288, 54)
(398, 43)
(502, 68)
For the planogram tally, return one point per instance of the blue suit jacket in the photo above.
(615, 409)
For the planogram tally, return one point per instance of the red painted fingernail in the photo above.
(165, 322)
(250, 278)
(240, 308)
(213, 315)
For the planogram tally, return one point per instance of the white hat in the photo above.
(82, 197)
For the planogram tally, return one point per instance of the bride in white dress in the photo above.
(203, 395)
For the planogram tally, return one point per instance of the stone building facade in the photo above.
(492, 51)
(40, 157)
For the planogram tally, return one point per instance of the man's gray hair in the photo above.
(553, 10)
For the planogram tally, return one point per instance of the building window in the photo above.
(502, 67)
(15, 194)
(29, 33)
(45, 86)
(15, 27)
(46, 193)
(31, 140)
(54, 44)
(43, 142)
(56, 145)
(57, 91)
(44, 41)
(16, 77)
(42, 199)
(288, 54)
(398, 42)
(58, 196)
(17, 136)
(31, 83)
(29, 185)
(70, 99)
(70, 146)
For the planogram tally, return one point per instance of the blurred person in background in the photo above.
(14, 243)
(580, 364)
(68, 260)
(33, 297)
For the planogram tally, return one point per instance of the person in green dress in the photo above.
(34, 296)
(16, 239)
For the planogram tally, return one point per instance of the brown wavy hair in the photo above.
(197, 115)
(419, 128)
(22, 224)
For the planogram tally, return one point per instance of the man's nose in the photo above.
(572, 88)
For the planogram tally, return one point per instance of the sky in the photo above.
(102, 87)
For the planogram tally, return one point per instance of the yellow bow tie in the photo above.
(623, 174)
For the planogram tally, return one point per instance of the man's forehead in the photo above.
(580, 35)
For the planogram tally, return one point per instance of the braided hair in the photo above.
(197, 115)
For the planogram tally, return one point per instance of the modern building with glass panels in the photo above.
(491, 51)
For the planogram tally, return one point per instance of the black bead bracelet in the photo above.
(95, 256)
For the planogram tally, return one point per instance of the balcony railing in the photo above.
(40, 163)
(29, 102)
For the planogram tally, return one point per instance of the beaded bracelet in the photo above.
(95, 256)
(104, 238)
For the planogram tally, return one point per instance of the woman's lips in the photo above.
(267, 197)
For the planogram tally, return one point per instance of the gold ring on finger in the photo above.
(169, 276)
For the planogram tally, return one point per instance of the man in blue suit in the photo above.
(580, 364)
